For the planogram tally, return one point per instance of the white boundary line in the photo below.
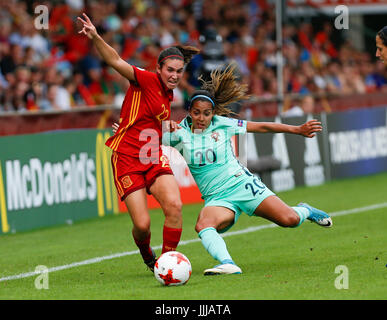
(182, 243)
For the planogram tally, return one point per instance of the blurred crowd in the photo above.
(53, 67)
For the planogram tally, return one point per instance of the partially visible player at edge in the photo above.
(139, 167)
(381, 45)
(228, 188)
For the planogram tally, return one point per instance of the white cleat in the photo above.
(227, 268)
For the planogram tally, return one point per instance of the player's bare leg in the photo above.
(277, 211)
(137, 207)
(216, 217)
(166, 191)
(274, 209)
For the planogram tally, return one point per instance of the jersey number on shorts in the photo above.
(260, 187)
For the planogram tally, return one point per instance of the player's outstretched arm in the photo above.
(108, 53)
(308, 129)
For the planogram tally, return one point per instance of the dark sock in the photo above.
(144, 247)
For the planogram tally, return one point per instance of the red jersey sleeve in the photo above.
(143, 77)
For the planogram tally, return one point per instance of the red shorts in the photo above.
(131, 175)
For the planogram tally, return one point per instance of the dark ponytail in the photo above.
(222, 89)
(184, 53)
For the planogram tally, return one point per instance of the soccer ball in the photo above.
(172, 268)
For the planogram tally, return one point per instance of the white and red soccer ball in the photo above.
(172, 268)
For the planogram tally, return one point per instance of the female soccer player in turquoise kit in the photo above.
(227, 187)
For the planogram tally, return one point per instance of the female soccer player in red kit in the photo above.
(139, 167)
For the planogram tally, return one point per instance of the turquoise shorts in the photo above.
(245, 196)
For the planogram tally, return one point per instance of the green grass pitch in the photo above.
(277, 263)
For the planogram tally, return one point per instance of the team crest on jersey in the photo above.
(126, 182)
(164, 115)
(215, 136)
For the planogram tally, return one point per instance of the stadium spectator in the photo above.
(49, 102)
(18, 96)
(63, 96)
(139, 29)
(34, 96)
(95, 86)
(11, 61)
(323, 40)
(306, 106)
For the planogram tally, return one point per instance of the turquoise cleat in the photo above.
(317, 216)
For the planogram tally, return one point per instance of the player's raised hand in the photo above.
(309, 128)
(170, 126)
(88, 28)
(115, 127)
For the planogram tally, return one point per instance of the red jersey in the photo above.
(147, 103)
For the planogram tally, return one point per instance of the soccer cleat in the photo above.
(151, 263)
(317, 216)
(226, 268)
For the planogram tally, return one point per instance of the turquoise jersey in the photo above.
(209, 154)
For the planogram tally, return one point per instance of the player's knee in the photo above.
(202, 224)
(289, 220)
(142, 227)
(173, 207)
(172, 211)
(199, 227)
